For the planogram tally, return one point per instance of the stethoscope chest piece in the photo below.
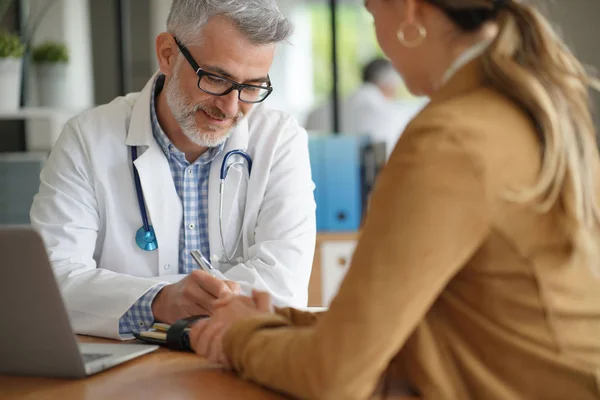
(146, 239)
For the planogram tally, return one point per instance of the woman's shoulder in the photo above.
(492, 130)
(482, 117)
(483, 106)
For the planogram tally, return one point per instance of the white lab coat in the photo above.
(87, 211)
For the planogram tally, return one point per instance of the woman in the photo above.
(476, 275)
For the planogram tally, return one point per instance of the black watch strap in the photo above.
(177, 336)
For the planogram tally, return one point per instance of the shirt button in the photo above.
(190, 171)
(167, 267)
(191, 226)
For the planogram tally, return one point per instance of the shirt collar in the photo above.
(163, 140)
(466, 57)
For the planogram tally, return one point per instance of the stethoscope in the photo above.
(145, 237)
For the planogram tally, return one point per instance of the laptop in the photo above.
(36, 337)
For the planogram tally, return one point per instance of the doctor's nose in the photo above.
(229, 104)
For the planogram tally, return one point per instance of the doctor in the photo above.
(193, 162)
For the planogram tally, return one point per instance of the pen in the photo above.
(161, 327)
(205, 265)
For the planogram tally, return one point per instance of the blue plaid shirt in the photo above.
(191, 183)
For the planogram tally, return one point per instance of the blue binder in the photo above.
(336, 163)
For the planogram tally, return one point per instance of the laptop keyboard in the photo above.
(89, 357)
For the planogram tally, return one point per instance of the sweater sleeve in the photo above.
(426, 219)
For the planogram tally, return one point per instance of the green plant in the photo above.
(50, 52)
(10, 46)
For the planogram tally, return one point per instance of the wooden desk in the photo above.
(163, 374)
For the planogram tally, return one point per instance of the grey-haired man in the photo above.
(132, 187)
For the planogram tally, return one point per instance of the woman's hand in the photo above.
(206, 336)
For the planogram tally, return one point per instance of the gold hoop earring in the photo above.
(411, 43)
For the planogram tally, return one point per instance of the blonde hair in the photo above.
(529, 63)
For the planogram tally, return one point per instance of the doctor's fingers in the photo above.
(191, 309)
(196, 299)
(209, 283)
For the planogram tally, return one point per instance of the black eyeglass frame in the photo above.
(234, 85)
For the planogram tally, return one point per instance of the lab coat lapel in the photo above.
(162, 202)
(233, 199)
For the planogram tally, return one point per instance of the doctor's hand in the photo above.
(206, 336)
(196, 294)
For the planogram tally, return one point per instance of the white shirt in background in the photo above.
(368, 111)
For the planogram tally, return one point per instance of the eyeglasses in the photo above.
(217, 85)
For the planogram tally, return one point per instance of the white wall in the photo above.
(68, 22)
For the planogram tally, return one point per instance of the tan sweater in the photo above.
(468, 295)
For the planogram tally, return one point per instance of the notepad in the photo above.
(158, 331)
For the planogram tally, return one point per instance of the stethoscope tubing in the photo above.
(138, 191)
(223, 175)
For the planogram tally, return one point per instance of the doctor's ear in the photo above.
(166, 53)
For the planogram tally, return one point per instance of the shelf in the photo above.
(29, 113)
(42, 125)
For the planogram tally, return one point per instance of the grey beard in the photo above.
(184, 114)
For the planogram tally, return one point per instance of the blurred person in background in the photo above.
(156, 159)
(373, 109)
(477, 274)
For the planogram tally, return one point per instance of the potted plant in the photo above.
(11, 59)
(51, 62)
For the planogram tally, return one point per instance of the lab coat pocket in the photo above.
(234, 203)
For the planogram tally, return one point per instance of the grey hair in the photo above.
(380, 71)
(259, 20)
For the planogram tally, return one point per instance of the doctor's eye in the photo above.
(214, 79)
